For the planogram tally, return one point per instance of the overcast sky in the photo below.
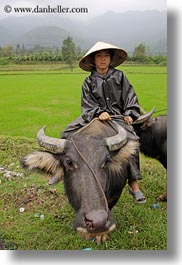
(95, 7)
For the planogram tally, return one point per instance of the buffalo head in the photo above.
(94, 169)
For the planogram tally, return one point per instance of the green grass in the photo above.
(30, 101)
(47, 95)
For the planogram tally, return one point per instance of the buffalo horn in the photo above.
(144, 117)
(117, 141)
(54, 145)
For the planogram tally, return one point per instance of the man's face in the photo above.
(102, 59)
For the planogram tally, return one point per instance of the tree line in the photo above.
(69, 53)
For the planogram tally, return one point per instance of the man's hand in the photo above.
(128, 119)
(104, 116)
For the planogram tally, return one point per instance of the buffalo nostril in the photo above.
(96, 220)
(89, 223)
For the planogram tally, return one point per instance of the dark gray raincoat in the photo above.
(112, 93)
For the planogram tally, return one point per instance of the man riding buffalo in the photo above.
(107, 93)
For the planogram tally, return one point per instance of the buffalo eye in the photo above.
(106, 161)
(69, 164)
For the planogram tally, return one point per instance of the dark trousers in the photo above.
(134, 168)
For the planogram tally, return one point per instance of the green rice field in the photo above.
(29, 99)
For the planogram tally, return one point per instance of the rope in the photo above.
(117, 116)
(85, 126)
(93, 173)
(88, 165)
(160, 110)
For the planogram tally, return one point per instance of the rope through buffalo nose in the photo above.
(93, 173)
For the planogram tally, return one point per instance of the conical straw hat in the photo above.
(119, 56)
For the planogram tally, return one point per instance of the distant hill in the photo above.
(123, 29)
(43, 36)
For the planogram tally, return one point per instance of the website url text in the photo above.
(47, 9)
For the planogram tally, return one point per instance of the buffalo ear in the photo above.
(44, 162)
(121, 159)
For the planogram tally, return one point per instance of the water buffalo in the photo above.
(93, 164)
